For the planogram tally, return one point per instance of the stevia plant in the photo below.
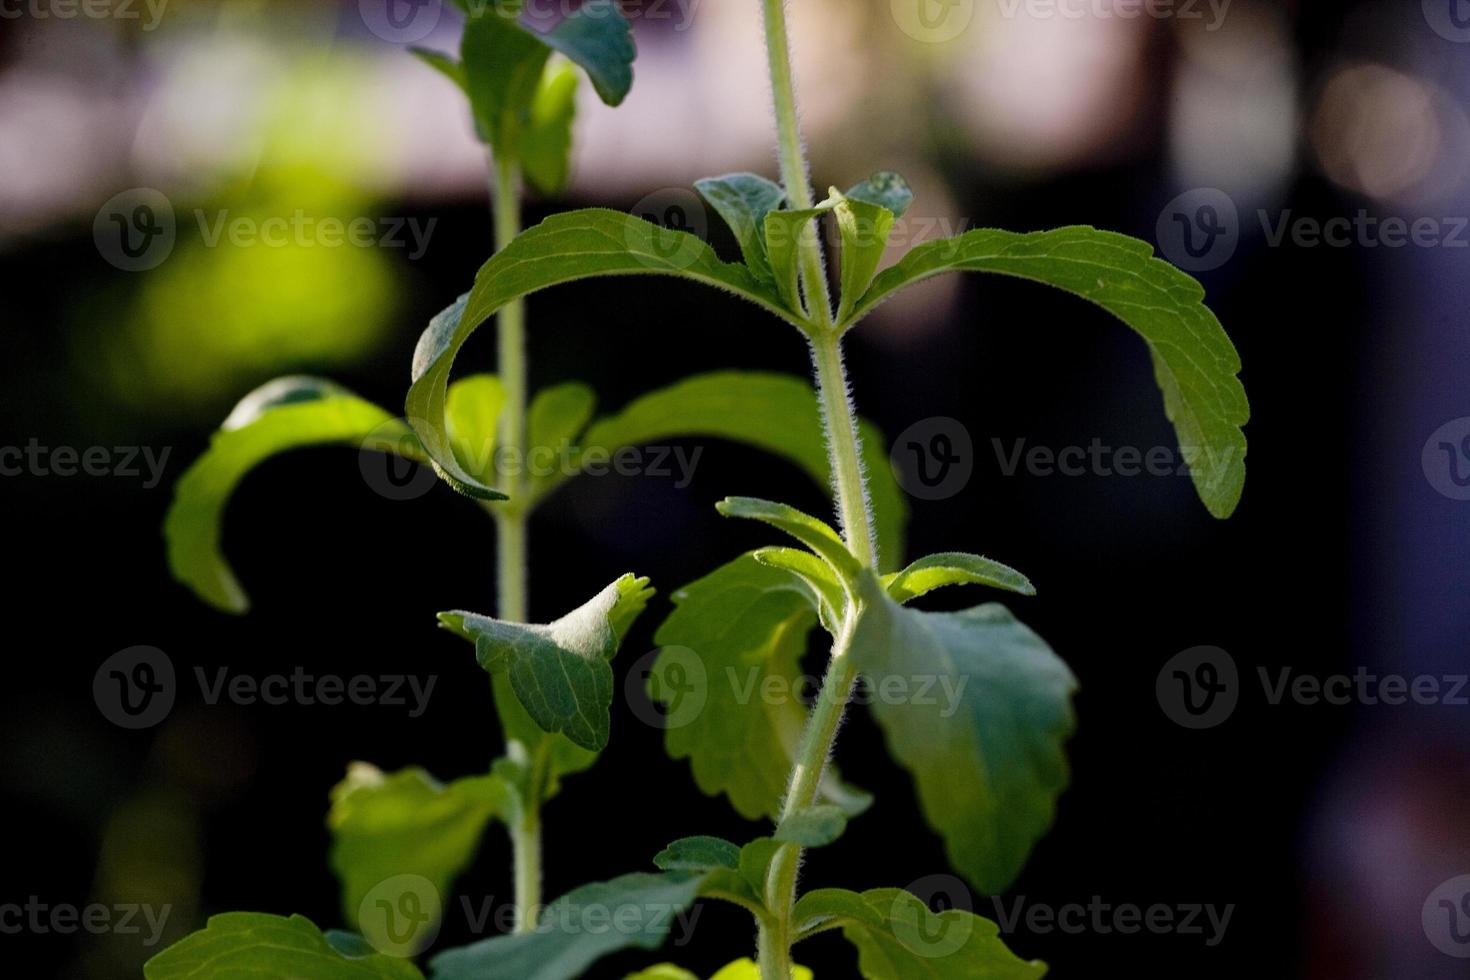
(403, 837)
(988, 777)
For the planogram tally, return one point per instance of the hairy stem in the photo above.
(845, 452)
(794, 175)
(511, 331)
(510, 523)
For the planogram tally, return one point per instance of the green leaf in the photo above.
(739, 970)
(818, 576)
(744, 200)
(816, 535)
(473, 412)
(748, 970)
(599, 38)
(563, 248)
(773, 412)
(503, 63)
(664, 971)
(576, 930)
(698, 854)
(546, 146)
(253, 944)
(528, 741)
(747, 625)
(755, 862)
(783, 234)
(899, 938)
(1194, 361)
(953, 568)
(986, 750)
(560, 671)
(446, 65)
(407, 823)
(557, 416)
(815, 826)
(887, 190)
(865, 229)
(281, 415)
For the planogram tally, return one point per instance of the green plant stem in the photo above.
(510, 524)
(794, 175)
(845, 451)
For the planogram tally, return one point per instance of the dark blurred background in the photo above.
(1325, 827)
